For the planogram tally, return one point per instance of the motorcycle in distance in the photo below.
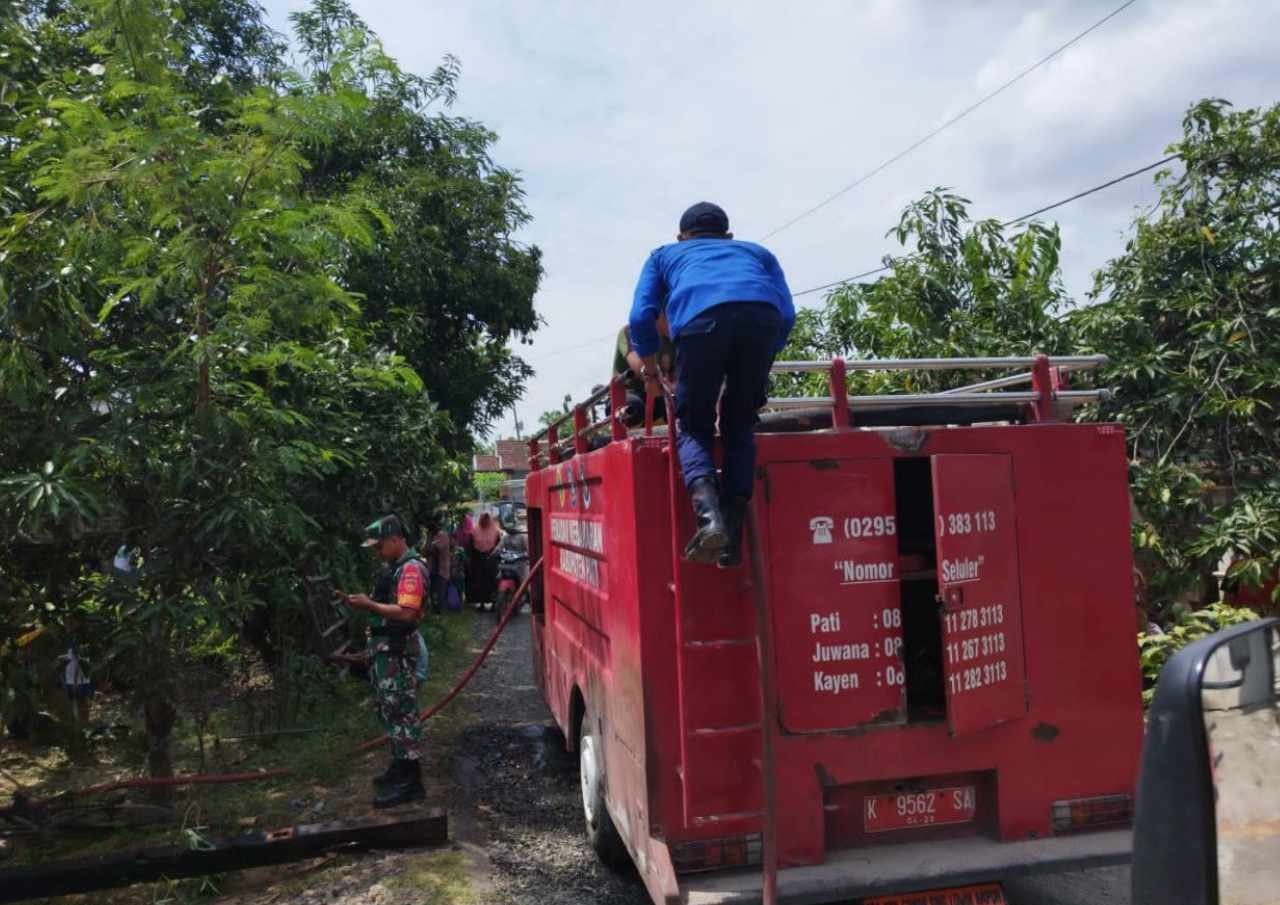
(513, 568)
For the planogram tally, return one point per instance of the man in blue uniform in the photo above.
(729, 312)
(393, 658)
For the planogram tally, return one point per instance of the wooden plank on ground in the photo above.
(57, 878)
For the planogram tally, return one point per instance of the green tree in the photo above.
(961, 288)
(185, 366)
(1190, 315)
(551, 416)
(449, 288)
(964, 289)
(488, 485)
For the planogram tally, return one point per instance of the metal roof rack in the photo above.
(987, 400)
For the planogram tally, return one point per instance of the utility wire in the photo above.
(1035, 213)
(1096, 188)
(882, 268)
(952, 121)
(581, 345)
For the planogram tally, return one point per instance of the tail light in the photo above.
(712, 854)
(1090, 813)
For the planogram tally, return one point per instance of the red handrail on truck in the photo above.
(956, 695)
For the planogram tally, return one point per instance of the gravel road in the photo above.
(518, 790)
(519, 801)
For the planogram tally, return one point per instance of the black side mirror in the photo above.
(1207, 822)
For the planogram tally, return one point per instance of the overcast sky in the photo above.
(619, 115)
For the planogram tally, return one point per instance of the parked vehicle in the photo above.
(926, 679)
(513, 568)
(1207, 830)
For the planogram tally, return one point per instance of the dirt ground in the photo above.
(515, 818)
(495, 761)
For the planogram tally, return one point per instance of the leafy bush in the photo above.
(1156, 649)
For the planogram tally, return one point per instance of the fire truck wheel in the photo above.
(601, 832)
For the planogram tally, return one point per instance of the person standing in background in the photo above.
(438, 552)
(628, 365)
(482, 569)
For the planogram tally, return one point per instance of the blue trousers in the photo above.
(730, 345)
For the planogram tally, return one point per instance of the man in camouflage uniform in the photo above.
(393, 654)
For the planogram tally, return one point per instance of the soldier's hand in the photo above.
(351, 600)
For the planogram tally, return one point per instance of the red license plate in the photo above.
(911, 810)
(984, 894)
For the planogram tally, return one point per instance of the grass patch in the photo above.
(439, 878)
(330, 782)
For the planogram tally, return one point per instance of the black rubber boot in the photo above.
(711, 537)
(387, 776)
(404, 788)
(735, 515)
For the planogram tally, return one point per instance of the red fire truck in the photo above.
(924, 678)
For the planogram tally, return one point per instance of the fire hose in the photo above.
(189, 779)
(471, 671)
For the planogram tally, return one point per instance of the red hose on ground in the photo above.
(466, 676)
(214, 778)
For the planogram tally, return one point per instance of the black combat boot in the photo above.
(386, 776)
(735, 515)
(405, 786)
(710, 538)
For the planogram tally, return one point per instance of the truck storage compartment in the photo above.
(895, 593)
(921, 624)
(975, 526)
(834, 587)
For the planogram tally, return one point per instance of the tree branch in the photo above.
(1194, 407)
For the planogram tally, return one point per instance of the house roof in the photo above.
(486, 463)
(513, 455)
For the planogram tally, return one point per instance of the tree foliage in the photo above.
(961, 288)
(449, 287)
(226, 293)
(1190, 314)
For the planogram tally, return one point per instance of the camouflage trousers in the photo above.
(395, 689)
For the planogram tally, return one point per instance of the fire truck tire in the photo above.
(601, 832)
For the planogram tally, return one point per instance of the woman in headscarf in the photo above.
(466, 528)
(482, 568)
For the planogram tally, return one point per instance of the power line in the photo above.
(581, 345)
(1035, 213)
(1096, 188)
(856, 276)
(882, 268)
(952, 121)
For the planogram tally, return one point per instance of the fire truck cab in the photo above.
(942, 688)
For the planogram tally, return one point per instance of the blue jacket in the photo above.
(689, 277)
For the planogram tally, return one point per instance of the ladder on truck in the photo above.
(1048, 399)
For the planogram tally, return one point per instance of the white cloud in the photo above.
(620, 115)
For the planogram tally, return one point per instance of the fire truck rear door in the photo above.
(834, 589)
(978, 582)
